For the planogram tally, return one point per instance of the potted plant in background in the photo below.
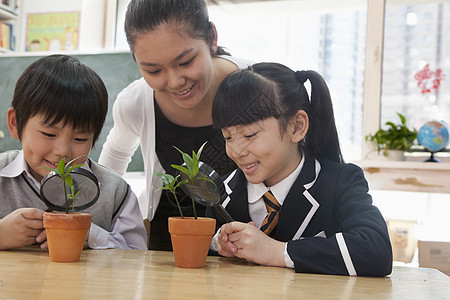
(191, 236)
(66, 231)
(395, 140)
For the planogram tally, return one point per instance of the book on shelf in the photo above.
(7, 40)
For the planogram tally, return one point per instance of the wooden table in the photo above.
(128, 274)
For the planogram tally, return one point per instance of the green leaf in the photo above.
(162, 188)
(68, 164)
(69, 180)
(61, 166)
(169, 182)
(199, 152)
(166, 178)
(187, 160)
(181, 182)
(402, 118)
(189, 163)
(204, 178)
(159, 174)
(72, 189)
(179, 150)
(194, 164)
(51, 169)
(393, 126)
(73, 168)
(196, 159)
(182, 169)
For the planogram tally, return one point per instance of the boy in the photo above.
(58, 110)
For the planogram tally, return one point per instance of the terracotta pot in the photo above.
(66, 234)
(190, 240)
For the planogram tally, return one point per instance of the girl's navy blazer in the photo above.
(327, 219)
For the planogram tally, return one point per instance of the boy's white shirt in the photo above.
(257, 208)
(123, 228)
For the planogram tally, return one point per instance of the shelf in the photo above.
(6, 13)
(410, 176)
(5, 51)
(8, 22)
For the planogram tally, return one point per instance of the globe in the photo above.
(433, 136)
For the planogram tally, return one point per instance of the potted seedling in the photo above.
(191, 236)
(395, 140)
(66, 230)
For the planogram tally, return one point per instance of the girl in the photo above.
(175, 47)
(297, 204)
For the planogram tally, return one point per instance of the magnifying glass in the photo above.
(84, 181)
(207, 192)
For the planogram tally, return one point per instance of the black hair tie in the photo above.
(301, 76)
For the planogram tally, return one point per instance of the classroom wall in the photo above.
(92, 20)
(117, 70)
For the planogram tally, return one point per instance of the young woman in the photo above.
(175, 47)
(295, 202)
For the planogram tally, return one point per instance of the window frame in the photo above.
(373, 70)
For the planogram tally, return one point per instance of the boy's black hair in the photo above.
(274, 90)
(145, 16)
(62, 89)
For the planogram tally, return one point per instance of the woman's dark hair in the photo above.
(62, 89)
(274, 90)
(144, 16)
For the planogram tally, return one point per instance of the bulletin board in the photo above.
(52, 31)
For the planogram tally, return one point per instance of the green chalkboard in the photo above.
(117, 70)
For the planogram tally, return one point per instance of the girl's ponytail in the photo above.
(322, 138)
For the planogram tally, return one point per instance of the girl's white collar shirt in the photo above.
(256, 207)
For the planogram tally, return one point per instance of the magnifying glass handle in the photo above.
(224, 213)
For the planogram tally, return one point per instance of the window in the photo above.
(416, 33)
(302, 35)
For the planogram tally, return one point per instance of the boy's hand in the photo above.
(42, 237)
(254, 245)
(20, 228)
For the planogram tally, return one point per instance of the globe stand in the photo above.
(432, 159)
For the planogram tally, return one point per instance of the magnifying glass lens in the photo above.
(54, 195)
(207, 189)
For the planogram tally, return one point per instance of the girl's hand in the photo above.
(254, 245)
(20, 228)
(224, 246)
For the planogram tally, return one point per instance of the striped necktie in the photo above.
(273, 209)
